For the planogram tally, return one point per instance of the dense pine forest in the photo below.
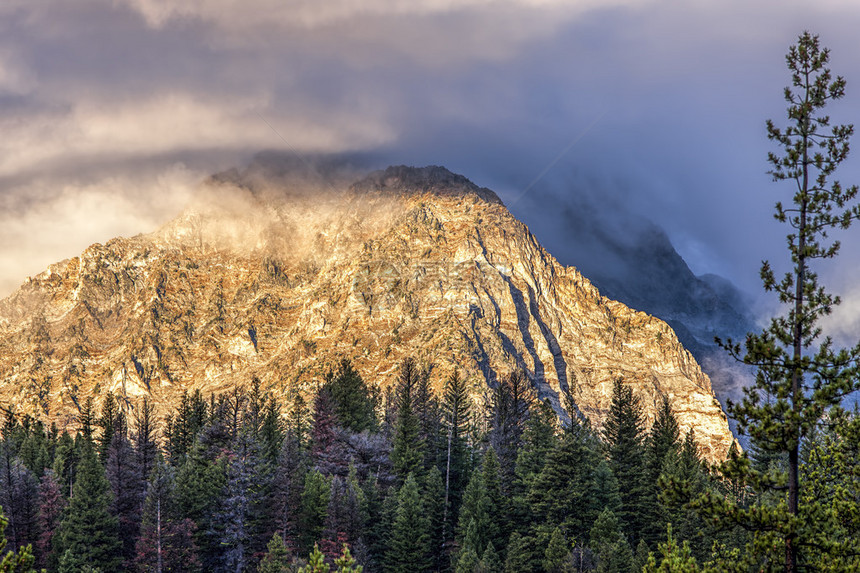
(405, 480)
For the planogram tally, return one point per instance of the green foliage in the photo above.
(313, 510)
(346, 562)
(565, 492)
(624, 435)
(673, 558)
(277, 558)
(88, 533)
(612, 550)
(407, 453)
(556, 557)
(354, 403)
(799, 376)
(521, 554)
(456, 416)
(316, 562)
(10, 561)
(490, 561)
(408, 548)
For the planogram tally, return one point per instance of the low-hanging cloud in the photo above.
(99, 97)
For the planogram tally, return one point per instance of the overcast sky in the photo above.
(113, 110)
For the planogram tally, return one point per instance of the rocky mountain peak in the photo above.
(431, 179)
(282, 287)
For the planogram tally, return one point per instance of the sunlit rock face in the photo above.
(280, 277)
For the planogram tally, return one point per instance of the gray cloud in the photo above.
(106, 103)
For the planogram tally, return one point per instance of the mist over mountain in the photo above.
(275, 273)
(631, 259)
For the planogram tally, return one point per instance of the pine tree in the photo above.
(88, 533)
(673, 558)
(407, 454)
(166, 541)
(662, 442)
(521, 555)
(565, 493)
(408, 548)
(556, 556)
(313, 510)
(123, 475)
(354, 405)
(51, 505)
(799, 377)
(316, 562)
(456, 415)
(624, 433)
(277, 558)
(12, 561)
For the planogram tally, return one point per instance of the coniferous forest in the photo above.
(406, 480)
(422, 478)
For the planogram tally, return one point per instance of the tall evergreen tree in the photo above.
(510, 404)
(199, 483)
(354, 403)
(565, 493)
(51, 505)
(13, 561)
(800, 376)
(124, 478)
(407, 453)
(166, 541)
(88, 533)
(624, 434)
(408, 548)
(144, 440)
(313, 510)
(456, 415)
(182, 429)
(662, 443)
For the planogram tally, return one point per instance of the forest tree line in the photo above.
(405, 480)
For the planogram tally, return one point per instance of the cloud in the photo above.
(96, 91)
(170, 123)
(232, 14)
(70, 216)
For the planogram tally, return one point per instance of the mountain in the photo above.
(277, 275)
(632, 260)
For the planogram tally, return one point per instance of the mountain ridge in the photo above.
(253, 283)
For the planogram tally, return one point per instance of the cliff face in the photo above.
(278, 282)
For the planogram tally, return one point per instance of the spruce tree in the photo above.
(277, 558)
(799, 375)
(88, 533)
(20, 561)
(624, 434)
(456, 415)
(354, 404)
(408, 548)
(407, 453)
(662, 443)
(565, 493)
(312, 511)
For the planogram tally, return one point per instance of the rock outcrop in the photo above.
(279, 279)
